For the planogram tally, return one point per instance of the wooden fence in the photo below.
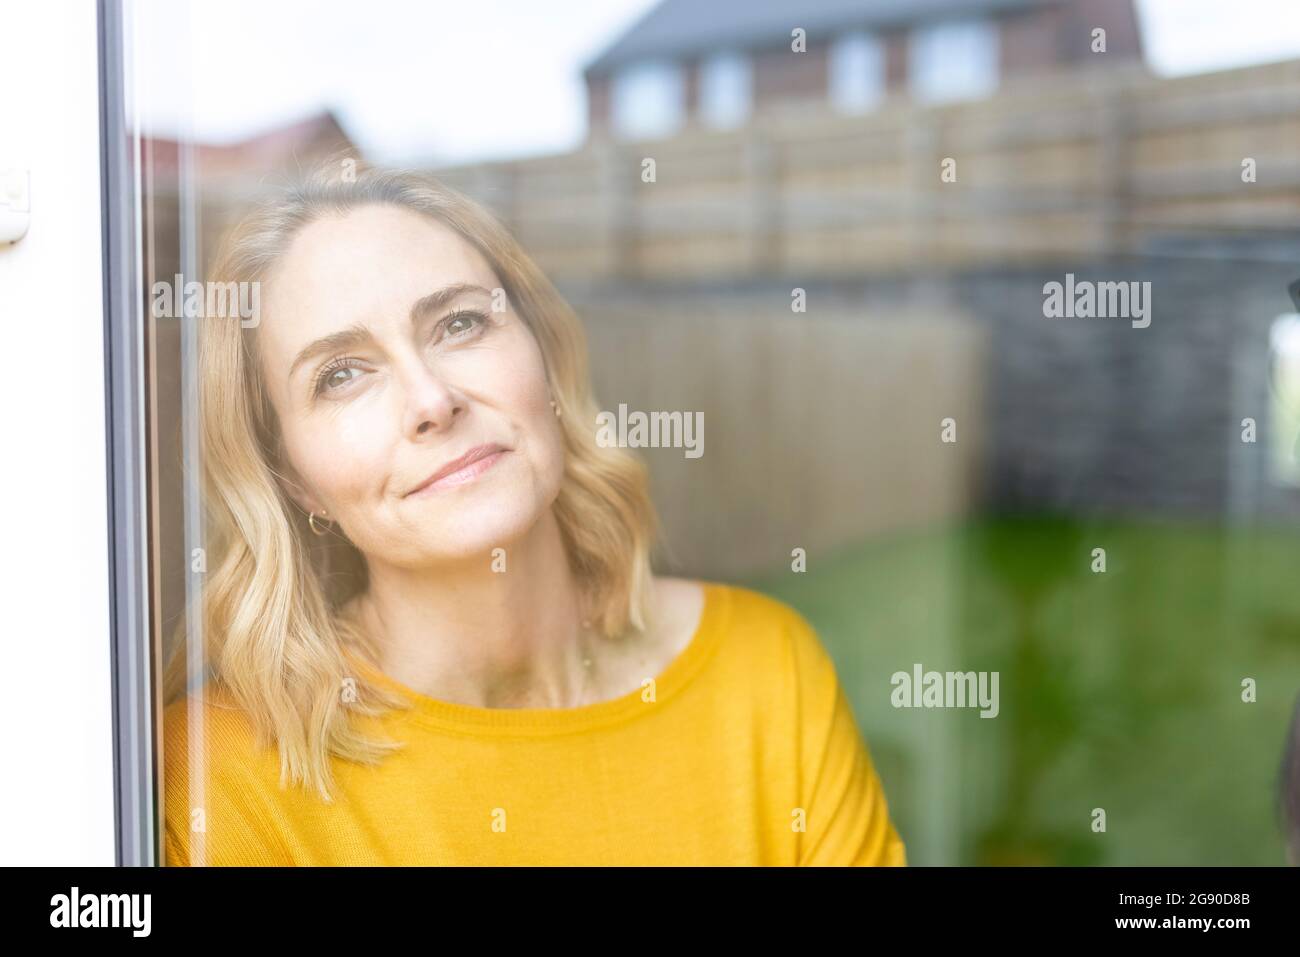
(819, 429)
(1081, 164)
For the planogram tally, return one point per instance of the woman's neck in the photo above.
(482, 633)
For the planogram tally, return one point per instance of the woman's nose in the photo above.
(432, 403)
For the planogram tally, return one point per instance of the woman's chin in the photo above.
(476, 528)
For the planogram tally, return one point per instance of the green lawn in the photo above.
(1120, 691)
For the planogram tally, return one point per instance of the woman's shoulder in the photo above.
(220, 782)
(760, 628)
(685, 598)
(210, 720)
(758, 612)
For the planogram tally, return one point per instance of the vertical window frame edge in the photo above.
(130, 648)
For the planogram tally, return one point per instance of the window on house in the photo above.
(857, 72)
(1284, 435)
(648, 100)
(953, 60)
(725, 89)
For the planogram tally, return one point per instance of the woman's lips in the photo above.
(463, 475)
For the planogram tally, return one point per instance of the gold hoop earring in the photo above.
(311, 520)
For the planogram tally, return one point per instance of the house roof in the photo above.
(680, 28)
(272, 149)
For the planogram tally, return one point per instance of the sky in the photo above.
(446, 82)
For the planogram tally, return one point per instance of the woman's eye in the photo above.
(461, 324)
(330, 379)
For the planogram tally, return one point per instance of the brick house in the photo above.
(715, 64)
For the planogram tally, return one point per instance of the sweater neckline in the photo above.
(676, 675)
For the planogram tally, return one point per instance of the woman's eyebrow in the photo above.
(357, 334)
(348, 338)
(437, 300)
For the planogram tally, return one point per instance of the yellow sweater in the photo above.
(748, 754)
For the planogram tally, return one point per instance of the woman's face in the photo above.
(417, 371)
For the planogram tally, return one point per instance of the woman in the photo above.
(429, 621)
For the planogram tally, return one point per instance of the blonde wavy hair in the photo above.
(273, 635)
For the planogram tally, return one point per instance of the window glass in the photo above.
(1002, 401)
(1284, 445)
(857, 71)
(648, 100)
(725, 90)
(952, 60)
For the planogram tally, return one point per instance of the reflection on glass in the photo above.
(901, 445)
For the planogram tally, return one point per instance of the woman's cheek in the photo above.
(537, 397)
(344, 462)
(510, 380)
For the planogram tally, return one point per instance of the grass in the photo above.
(1120, 691)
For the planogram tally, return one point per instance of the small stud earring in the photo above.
(555, 407)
